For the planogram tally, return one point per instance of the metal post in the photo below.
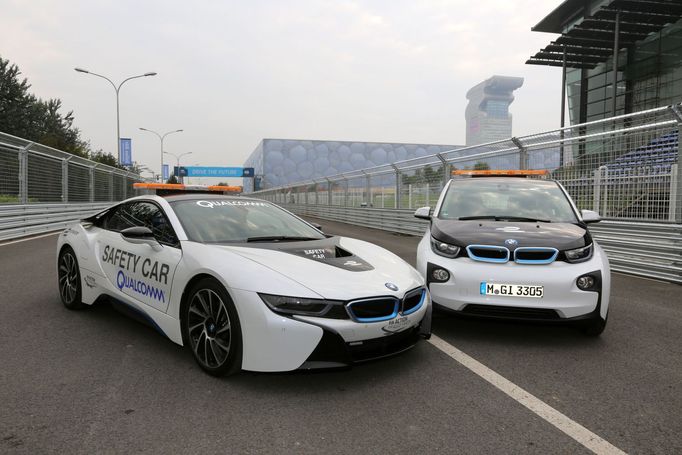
(23, 173)
(92, 183)
(596, 188)
(111, 185)
(677, 112)
(329, 192)
(674, 179)
(563, 108)
(446, 169)
(345, 192)
(616, 48)
(65, 179)
(398, 185)
(523, 153)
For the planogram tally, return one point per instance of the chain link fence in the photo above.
(32, 173)
(625, 168)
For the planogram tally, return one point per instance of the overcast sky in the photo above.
(233, 72)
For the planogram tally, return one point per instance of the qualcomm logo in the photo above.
(139, 287)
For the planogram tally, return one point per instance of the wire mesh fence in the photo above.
(34, 173)
(624, 167)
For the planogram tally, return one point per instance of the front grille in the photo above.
(528, 255)
(413, 301)
(488, 253)
(510, 312)
(375, 309)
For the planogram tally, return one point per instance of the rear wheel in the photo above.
(595, 327)
(69, 277)
(211, 328)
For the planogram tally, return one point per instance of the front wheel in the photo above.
(211, 328)
(69, 279)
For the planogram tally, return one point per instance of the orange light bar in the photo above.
(502, 172)
(181, 187)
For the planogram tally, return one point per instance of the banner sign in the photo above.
(203, 171)
(126, 152)
(165, 172)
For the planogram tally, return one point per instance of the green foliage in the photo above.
(424, 175)
(481, 166)
(24, 115)
(172, 179)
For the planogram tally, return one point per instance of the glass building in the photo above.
(647, 39)
(487, 114)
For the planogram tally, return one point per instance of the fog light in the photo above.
(585, 282)
(440, 275)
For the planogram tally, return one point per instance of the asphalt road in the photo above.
(95, 381)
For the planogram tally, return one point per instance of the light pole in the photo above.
(161, 137)
(177, 159)
(117, 89)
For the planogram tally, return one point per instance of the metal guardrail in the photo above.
(23, 220)
(649, 250)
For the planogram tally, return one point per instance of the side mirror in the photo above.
(423, 213)
(590, 216)
(140, 235)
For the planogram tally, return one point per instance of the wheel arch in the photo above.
(184, 298)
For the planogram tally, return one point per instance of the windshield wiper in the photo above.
(503, 217)
(280, 238)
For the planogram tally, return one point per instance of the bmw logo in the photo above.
(511, 242)
(392, 287)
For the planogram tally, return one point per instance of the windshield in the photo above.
(506, 199)
(230, 220)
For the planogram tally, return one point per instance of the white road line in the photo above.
(30, 238)
(572, 428)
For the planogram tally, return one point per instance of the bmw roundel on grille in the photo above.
(511, 242)
(392, 287)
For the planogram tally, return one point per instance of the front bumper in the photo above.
(273, 342)
(562, 301)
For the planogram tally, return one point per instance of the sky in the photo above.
(231, 73)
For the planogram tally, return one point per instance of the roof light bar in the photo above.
(180, 188)
(502, 173)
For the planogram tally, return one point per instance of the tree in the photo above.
(481, 166)
(40, 121)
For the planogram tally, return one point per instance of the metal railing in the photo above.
(32, 173)
(624, 167)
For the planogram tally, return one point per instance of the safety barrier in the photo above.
(650, 250)
(22, 220)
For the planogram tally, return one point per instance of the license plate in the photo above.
(512, 290)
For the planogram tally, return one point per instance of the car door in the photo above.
(140, 271)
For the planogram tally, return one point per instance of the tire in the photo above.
(595, 327)
(211, 329)
(69, 279)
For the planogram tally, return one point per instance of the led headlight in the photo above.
(444, 249)
(579, 254)
(298, 305)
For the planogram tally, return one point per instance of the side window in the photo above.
(150, 215)
(141, 214)
(118, 219)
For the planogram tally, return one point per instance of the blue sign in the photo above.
(126, 152)
(165, 172)
(203, 171)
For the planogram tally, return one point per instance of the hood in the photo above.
(338, 268)
(562, 236)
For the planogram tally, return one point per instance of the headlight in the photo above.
(299, 305)
(444, 249)
(579, 254)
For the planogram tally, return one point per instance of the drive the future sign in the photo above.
(204, 171)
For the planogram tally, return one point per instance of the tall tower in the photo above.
(487, 114)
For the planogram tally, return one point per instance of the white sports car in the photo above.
(514, 248)
(244, 283)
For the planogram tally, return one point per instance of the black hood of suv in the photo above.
(562, 236)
